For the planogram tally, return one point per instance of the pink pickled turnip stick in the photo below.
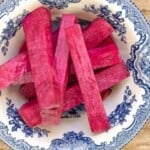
(112, 75)
(28, 90)
(13, 70)
(100, 57)
(73, 95)
(26, 78)
(30, 113)
(38, 33)
(106, 93)
(23, 47)
(96, 32)
(104, 56)
(62, 54)
(55, 37)
(115, 74)
(91, 39)
(106, 79)
(89, 88)
(109, 40)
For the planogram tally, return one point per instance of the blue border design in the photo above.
(59, 4)
(118, 116)
(13, 142)
(16, 122)
(12, 26)
(142, 28)
(8, 6)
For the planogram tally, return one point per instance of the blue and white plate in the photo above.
(128, 107)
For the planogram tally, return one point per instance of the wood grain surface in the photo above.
(142, 140)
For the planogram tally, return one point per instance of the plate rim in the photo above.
(143, 123)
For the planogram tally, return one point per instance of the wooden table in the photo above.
(142, 140)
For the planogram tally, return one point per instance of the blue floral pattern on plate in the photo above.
(7, 6)
(119, 2)
(13, 25)
(17, 123)
(77, 140)
(118, 116)
(60, 4)
(115, 19)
